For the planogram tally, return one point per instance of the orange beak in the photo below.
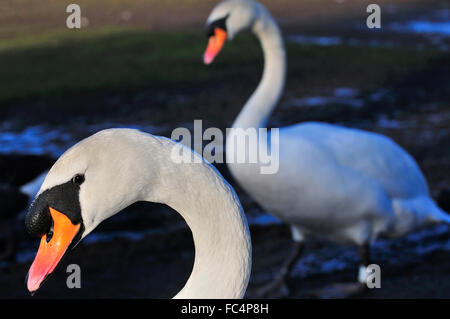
(215, 44)
(50, 253)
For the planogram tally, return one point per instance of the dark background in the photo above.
(138, 64)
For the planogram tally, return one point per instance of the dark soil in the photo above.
(416, 105)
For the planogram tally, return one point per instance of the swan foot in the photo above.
(276, 289)
(340, 291)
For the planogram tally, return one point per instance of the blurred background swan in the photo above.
(137, 64)
(345, 185)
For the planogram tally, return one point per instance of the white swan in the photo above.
(103, 174)
(343, 184)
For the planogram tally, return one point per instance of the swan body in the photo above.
(103, 174)
(344, 184)
(359, 197)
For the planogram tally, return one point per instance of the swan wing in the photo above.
(372, 155)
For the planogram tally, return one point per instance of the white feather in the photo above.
(123, 166)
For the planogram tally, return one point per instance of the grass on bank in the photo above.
(57, 62)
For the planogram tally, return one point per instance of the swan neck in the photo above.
(220, 232)
(260, 105)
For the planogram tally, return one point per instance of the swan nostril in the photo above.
(49, 234)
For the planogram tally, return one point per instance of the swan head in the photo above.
(90, 182)
(227, 19)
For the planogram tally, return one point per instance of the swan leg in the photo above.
(277, 287)
(364, 254)
(348, 290)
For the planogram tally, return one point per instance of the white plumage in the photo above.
(346, 185)
(123, 166)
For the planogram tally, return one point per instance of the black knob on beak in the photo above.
(38, 220)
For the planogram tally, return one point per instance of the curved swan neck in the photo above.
(212, 210)
(260, 105)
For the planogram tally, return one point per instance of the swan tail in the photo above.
(434, 212)
(440, 215)
(414, 213)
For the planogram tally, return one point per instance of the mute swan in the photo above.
(114, 168)
(346, 185)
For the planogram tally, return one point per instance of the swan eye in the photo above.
(78, 179)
